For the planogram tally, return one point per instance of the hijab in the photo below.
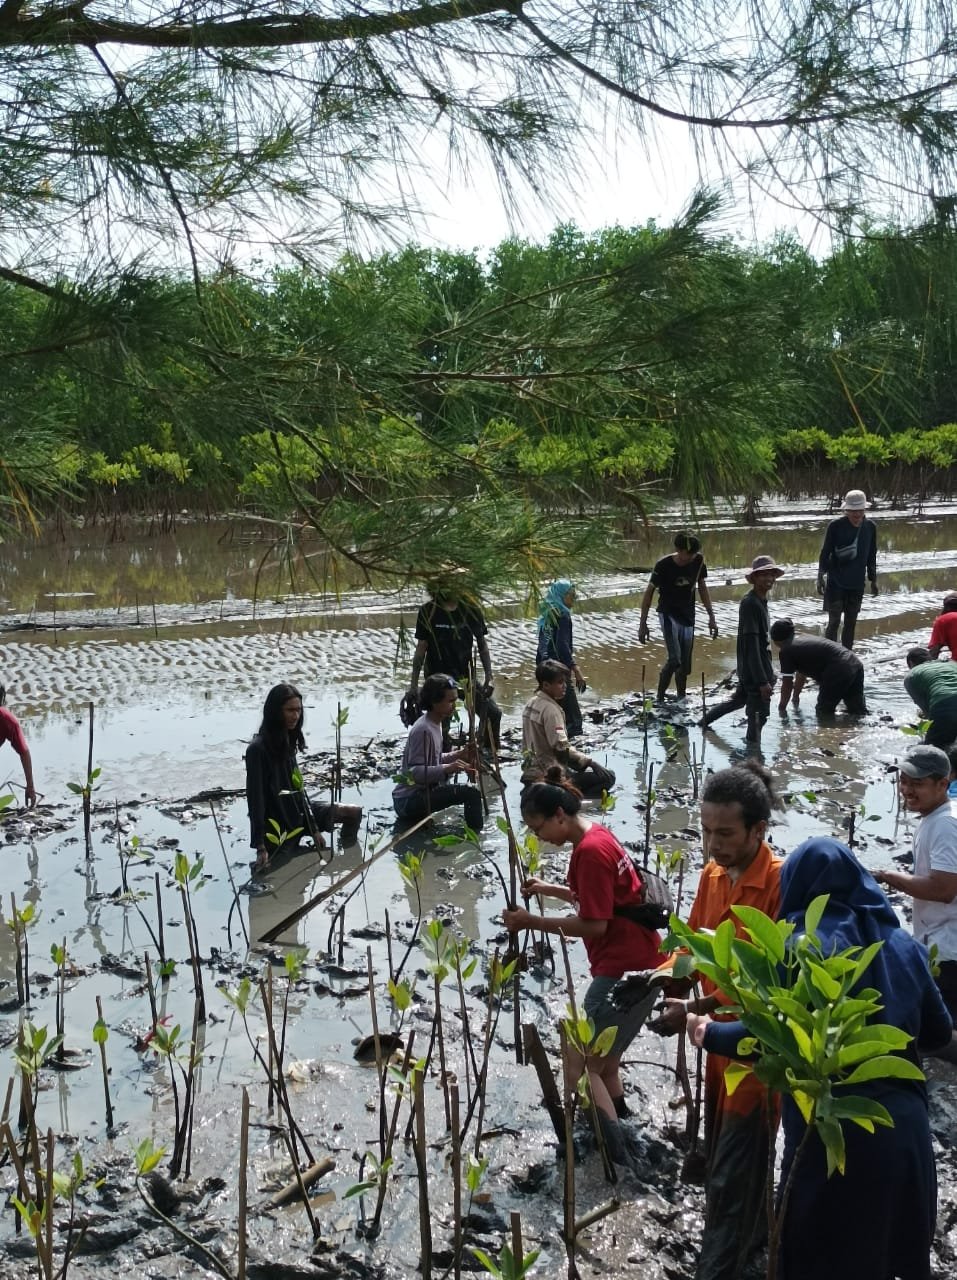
(553, 603)
(857, 914)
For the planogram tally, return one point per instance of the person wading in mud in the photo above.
(755, 668)
(933, 687)
(601, 880)
(545, 742)
(848, 555)
(838, 672)
(447, 631)
(272, 791)
(11, 732)
(923, 780)
(426, 770)
(676, 578)
(736, 806)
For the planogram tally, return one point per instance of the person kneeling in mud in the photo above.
(278, 805)
(602, 882)
(426, 769)
(545, 739)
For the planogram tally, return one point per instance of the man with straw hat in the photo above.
(849, 554)
(755, 668)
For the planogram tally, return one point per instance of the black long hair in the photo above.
(546, 798)
(273, 731)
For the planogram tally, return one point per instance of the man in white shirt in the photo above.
(924, 779)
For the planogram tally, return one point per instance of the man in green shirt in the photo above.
(933, 686)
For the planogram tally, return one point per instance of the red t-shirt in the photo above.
(601, 876)
(945, 632)
(11, 732)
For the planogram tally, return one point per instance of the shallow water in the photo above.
(173, 709)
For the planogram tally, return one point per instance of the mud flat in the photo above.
(172, 713)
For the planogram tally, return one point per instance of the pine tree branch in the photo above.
(64, 27)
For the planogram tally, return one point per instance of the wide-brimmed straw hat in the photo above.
(855, 500)
(764, 564)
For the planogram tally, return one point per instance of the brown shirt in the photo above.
(545, 739)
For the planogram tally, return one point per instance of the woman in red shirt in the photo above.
(11, 732)
(601, 877)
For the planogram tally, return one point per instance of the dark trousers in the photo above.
(843, 685)
(443, 796)
(735, 1219)
(758, 709)
(573, 712)
(947, 986)
(848, 603)
(593, 780)
(943, 730)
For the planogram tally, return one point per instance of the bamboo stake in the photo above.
(243, 1175)
(456, 1182)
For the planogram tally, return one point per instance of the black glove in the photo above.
(875, 589)
(409, 708)
(821, 585)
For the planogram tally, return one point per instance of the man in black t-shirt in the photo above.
(447, 631)
(755, 669)
(839, 673)
(676, 578)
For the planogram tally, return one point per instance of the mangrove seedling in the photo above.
(182, 1057)
(19, 925)
(85, 791)
(508, 1266)
(187, 873)
(100, 1036)
(808, 1036)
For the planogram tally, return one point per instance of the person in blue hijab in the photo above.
(876, 1221)
(555, 642)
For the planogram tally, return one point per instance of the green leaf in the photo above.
(832, 1135)
(763, 930)
(863, 1111)
(723, 938)
(885, 1068)
(75, 788)
(812, 917)
(100, 1032)
(603, 1042)
(502, 825)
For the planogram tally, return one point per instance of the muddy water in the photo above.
(178, 692)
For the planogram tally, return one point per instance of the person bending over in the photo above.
(677, 578)
(839, 672)
(933, 686)
(274, 792)
(11, 732)
(426, 770)
(545, 741)
(601, 879)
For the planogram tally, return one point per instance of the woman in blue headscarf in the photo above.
(876, 1221)
(555, 641)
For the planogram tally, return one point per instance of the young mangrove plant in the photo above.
(85, 789)
(100, 1036)
(19, 925)
(36, 1212)
(183, 1059)
(808, 1036)
(187, 873)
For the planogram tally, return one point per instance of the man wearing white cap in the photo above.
(848, 556)
(924, 776)
(755, 669)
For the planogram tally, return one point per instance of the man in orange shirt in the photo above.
(741, 870)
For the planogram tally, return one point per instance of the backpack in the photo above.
(656, 905)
